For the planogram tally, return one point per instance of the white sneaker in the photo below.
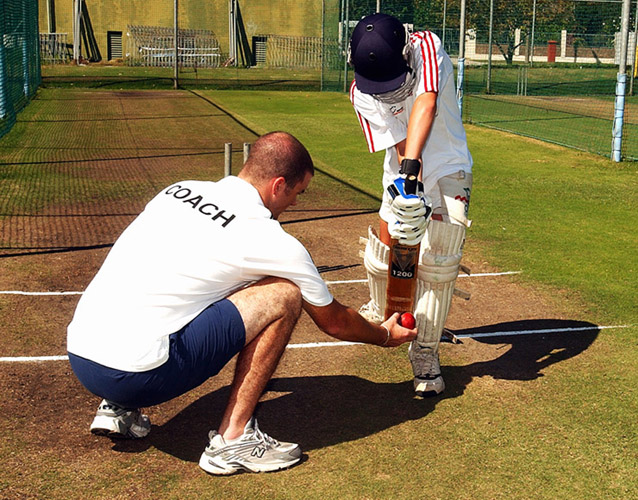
(427, 370)
(253, 451)
(116, 422)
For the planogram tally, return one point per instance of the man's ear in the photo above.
(278, 186)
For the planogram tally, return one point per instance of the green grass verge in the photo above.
(120, 77)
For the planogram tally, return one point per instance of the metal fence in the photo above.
(54, 48)
(155, 46)
(556, 51)
(19, 58)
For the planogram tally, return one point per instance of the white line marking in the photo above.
(477, 275)
(308, 345)
(29, 359)
(322, 344)
(488, 274)
(19, 292)
(345, 281)
(547, 330)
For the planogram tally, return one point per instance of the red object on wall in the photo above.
(551, 50)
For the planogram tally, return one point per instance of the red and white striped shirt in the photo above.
(385, 125)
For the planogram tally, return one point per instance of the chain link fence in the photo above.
(534, 67)
(19, 58)
(545, 69)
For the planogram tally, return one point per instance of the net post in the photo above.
(246, 151)
(228, 149)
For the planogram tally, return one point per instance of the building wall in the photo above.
(280, 17)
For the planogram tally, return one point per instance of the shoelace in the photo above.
(264, 438)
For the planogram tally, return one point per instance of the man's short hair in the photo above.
(278, 154)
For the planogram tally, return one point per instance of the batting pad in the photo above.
(441, 252)
(375, 260)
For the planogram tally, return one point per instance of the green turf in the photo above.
(117, 76)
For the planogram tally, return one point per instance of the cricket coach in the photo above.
(206, 272)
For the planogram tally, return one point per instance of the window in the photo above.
(114, 40)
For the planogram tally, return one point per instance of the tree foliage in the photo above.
(547, 17)
(586, 17)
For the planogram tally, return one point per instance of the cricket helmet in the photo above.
(378, 52)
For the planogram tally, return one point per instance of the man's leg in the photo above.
(270, 310)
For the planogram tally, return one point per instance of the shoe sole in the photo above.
(227, 469)
(112, 428)
(428, 388)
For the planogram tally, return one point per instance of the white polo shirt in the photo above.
(385, 125)
(194, 244)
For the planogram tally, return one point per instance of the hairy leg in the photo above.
(270, 310)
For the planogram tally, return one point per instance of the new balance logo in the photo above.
(258, 451)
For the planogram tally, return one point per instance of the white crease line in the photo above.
(477, 275)
(343, 344)
(321, 344)
(29, 359)
(18, 292)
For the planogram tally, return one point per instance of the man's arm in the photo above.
(419, 126)
(344, 323)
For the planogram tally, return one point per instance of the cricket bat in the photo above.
(403, 268)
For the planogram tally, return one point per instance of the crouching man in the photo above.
(204, 273)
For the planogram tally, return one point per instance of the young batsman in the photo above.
(405, 100)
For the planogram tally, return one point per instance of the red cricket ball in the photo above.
(407, 320)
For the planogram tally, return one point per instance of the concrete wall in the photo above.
(279, 17)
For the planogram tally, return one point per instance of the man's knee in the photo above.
(266, 301)
(287, 293)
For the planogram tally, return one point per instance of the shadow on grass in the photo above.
(321, 411)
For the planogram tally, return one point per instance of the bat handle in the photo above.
(410, 185)
(411, 169)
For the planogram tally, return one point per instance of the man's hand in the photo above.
(397, 333)
(344, 323)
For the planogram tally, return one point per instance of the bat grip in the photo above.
(410, 185)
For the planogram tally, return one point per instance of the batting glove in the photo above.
(410, 213)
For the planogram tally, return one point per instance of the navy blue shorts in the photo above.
(197, 352)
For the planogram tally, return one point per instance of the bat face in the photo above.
(402, 273)
(404, 262)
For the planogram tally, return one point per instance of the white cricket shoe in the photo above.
(427, 370)
(253, 451)
(116, 422)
